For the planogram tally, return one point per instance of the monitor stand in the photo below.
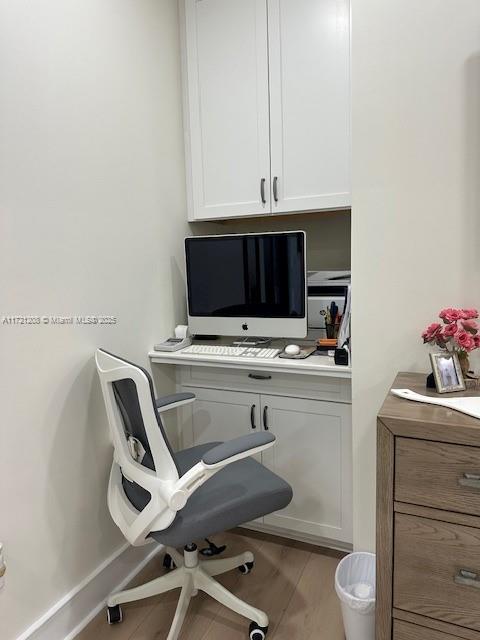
(251, 342)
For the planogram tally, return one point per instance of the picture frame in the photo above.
(447, 372)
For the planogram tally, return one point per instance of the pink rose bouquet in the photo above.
(459, 331)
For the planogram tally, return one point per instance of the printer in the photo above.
(323, 288)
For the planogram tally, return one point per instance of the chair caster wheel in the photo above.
(245, 568)
(168, 562)
(257, 632)
(114, 614)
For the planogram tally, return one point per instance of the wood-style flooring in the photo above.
(291, 581)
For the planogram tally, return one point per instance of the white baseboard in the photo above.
(316, 541)
(77, 608)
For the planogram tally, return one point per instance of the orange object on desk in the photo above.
(327, 342)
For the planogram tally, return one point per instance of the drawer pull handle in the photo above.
(470, 480)
(257, 376)
(467, 578)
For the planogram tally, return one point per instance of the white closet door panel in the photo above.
(309, 43)
(227, 82)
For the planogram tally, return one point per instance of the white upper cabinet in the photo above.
(309, 44)
(267, 106)
(226, 110)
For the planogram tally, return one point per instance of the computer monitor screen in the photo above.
(250, 284)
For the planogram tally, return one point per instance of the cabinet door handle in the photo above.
(275, 188)
(265, 418)
(262, 190)
(467, 578)
(252, 417)
(471, 480)
(257, 376)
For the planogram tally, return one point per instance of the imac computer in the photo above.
(247, 285)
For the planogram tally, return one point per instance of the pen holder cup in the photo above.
(332, 330)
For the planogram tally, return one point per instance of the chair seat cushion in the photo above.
(239, 493)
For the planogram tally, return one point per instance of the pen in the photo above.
(333, 312)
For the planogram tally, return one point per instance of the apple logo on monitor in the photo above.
(245, 326)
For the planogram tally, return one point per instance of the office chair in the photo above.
(156, 495)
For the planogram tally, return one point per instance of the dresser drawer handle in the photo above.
(467, 578)
(257, 376)
(470, 480)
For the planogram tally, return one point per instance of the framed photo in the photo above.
(447, 372)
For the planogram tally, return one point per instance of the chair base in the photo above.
(192, 575)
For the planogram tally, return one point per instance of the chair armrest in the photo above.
(221, 456)
(222, 453)
(165, 403)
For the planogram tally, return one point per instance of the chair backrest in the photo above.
(142, 453)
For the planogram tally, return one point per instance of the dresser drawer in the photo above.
(439, 475)
(428, 558)
(406, 631)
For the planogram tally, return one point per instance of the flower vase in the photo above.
(464, 362)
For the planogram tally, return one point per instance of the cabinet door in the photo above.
(309, 104)
(218, 416)
(313, 452)
(227, 118)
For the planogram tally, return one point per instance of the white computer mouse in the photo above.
(292, 349)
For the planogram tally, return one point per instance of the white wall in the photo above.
(92, 216)
(416, 197)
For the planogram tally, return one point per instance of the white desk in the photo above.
(306, 404)
(313, 365)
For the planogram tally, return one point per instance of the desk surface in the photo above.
(397, 413)
(313, 365)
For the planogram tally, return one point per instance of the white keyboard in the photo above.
(244, 352)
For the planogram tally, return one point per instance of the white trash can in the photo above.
(355, 586)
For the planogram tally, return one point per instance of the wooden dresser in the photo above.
(428, 520)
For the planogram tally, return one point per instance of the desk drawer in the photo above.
(439, 475)
(428, 558)
(271, 382)
(406, 631)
